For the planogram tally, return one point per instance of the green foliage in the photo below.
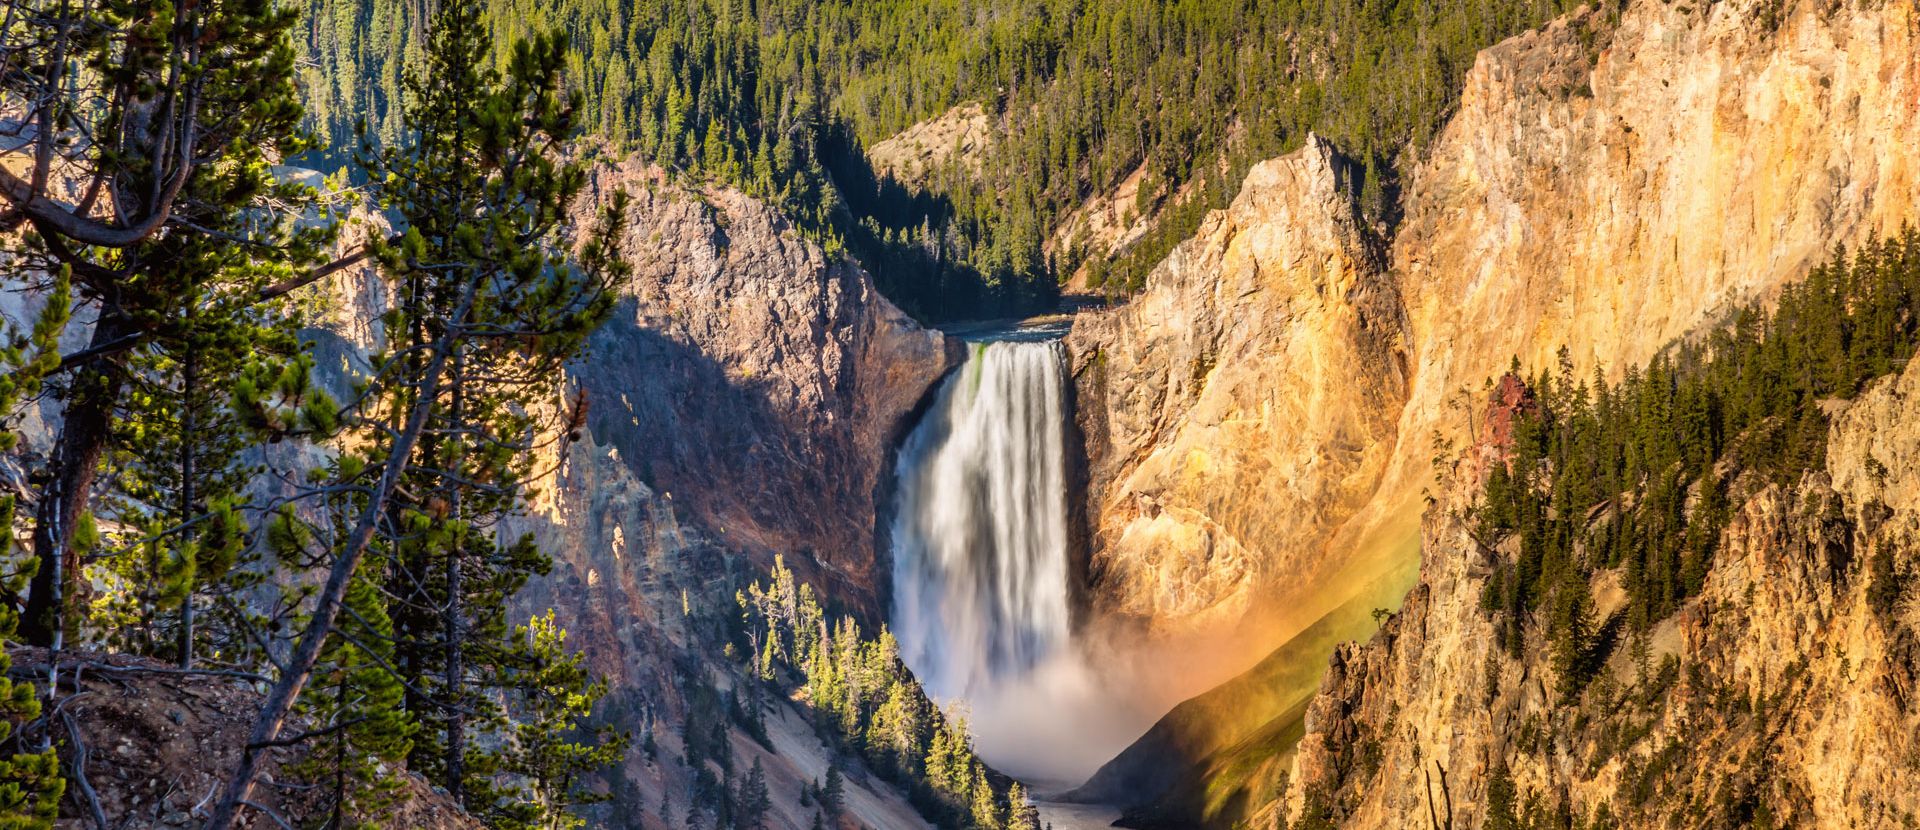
(179, 116)
(1087, 92)
(494, 293)
(1639, 475)
(34, 354)
(362, 701)
(1888, 586)
(753, 801)
(30, 779)
(1021, 815)
(354, 53)
(195, 404)
(779, 96)
(833, 794)
(1317, 811)
(483, 278)
(188, 291)
(863, 698)
(551, 749)
(1502, 799)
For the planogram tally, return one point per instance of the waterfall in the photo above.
(980, 522)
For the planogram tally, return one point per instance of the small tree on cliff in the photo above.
(1020, 814)
(753, 802)
(984, 806)
(549, 748)
(833, 794)
(354, 693)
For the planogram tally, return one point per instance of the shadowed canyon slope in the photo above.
(743, 403)
(754, 380)
(1608, 184)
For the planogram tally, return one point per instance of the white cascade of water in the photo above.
(980, 523)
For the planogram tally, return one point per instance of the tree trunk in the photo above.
(84, 429)
(456, 671)
(189, 401)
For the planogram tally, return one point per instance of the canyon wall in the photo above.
(1242, 405)
(743, 403)
(755, 381)
(1609, 183)
(1783, 695)
(1607, 186)
(745, 400)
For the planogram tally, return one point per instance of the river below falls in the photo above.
(1061, 816)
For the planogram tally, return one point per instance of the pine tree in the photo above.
(895, 728)
(751, 813)
(550, 748)
(180, 442)
(489, 307)
(984, 807)
(1020, 814)
(937, 762)
(361, 702)
(1572, 631)
(200, 230)
(833, 794)
(473, 264)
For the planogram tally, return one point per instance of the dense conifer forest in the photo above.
(780, 96)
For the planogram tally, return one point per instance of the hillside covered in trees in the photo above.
(864, 699)
(779, 97)
(1641, 475)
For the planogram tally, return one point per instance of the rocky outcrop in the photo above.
(754, 381)
(959, 135)
(1608, 184)
(1786, 690)
(1220, 444)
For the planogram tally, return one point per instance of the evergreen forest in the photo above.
(780, 98)
(1643, 475)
